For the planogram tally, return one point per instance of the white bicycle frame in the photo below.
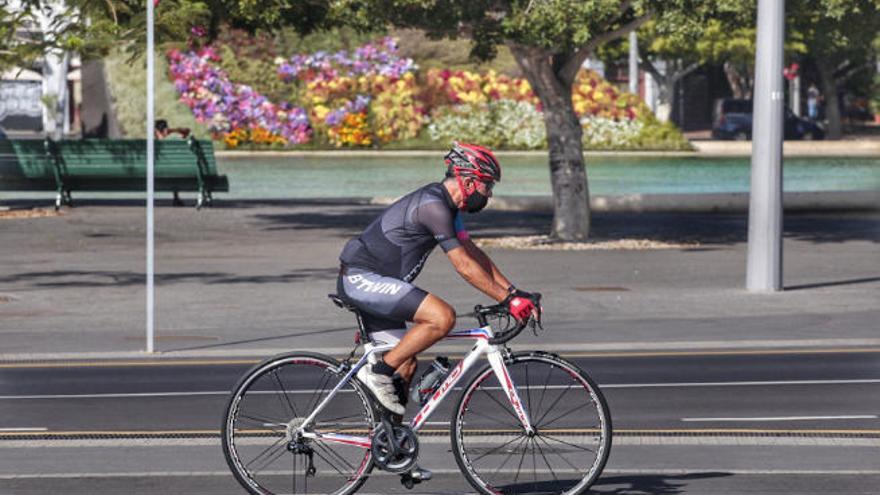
(481, 347)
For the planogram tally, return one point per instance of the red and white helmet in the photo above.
(471, 160)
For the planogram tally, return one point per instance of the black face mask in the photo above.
(475, 202)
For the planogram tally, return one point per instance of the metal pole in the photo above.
(764, 272)
(150, 179)
(795, 95)
(633, 63)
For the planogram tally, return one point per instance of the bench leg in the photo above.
(201, 200)
(62, 199)
(177, 201)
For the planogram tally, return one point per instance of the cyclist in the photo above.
(379, 266)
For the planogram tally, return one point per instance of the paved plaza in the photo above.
(251, 277)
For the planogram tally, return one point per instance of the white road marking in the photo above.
(741, 384)
(165, 474)
(35, 428)
(786, 418)
(551, 387)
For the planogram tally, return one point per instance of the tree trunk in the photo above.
(665, 89)
(740, 86)
(832, 105)
(568, 176)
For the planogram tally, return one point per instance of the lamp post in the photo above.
(150, 182)
(764, 270)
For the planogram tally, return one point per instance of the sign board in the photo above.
(20, 105)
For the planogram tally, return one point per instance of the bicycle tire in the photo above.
(234, 438)
(479, 391)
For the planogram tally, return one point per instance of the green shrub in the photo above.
(499, 124)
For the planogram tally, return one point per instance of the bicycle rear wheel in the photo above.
(572, 437)
(265, 411)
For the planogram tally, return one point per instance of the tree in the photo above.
(550, 41)
(841, 37)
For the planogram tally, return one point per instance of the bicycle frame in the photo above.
(481, 347)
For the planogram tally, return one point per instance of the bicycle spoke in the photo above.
(521, 459)
(496, 420)
(561, 395)
(544, 390)
(534, 463)
(273, 424)
(282, 394)
(506, 459)
(267, 449)
(496, 449)
(328, 461)
(551, 437)
(502, 406)
(576, 469)
(269, 459)
(541, 451)
(286, 396)
(335, 454)
(319, 393)
(578, 408)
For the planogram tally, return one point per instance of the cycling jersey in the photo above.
(379, 264)
(399, 241)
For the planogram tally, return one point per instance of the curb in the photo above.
(854, 148)
(691, 203)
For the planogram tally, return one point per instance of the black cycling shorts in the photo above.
(387, 303)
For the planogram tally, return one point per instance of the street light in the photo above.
(764, 270)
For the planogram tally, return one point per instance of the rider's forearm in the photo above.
(475, 274)
(483, 259)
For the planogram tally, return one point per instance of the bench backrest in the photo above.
(128, 158)
(25, 159)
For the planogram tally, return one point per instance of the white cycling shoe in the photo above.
(420, 474)
(382, 387)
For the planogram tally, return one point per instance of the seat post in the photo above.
(362, 330)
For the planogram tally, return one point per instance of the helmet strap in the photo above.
(464, 191)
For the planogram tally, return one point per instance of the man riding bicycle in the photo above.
(379, 265)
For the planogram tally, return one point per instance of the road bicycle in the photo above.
(525, 422)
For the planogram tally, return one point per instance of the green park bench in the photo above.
(109, 165)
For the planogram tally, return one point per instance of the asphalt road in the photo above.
(686, 422)
(644, 390)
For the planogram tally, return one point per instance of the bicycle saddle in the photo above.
(342, 304)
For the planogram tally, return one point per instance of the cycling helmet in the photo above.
(471, 160)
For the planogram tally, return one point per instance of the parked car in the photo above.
(733, 120)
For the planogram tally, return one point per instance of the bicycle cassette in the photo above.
(396, 452)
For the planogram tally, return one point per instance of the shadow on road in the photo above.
(117, 278)
(854, 281)
(650, 484)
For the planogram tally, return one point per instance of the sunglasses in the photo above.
(488, 184)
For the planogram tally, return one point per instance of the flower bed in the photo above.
(371, 96)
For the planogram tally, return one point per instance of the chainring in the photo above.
(391, 459)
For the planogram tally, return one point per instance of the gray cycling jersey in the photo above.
(399, 241)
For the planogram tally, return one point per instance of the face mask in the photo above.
(475, 202)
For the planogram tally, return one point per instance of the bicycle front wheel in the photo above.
(572, 429)
(261, 430)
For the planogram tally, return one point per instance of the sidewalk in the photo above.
(251, 278)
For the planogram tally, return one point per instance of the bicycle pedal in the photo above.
(408, 481)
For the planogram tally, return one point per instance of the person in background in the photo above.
(813, 102)
(162, 130)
